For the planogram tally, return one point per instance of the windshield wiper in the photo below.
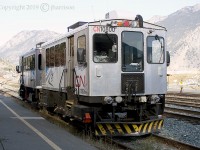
(113, 42)
(161, 45)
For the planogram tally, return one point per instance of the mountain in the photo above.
(156, 19)
(183, 38)
(8, 75)
(186, 52)
(23, 42)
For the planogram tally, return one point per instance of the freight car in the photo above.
(109, 74)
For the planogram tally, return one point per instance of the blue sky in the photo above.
(57, 15)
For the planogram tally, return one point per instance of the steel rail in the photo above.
(175, 143)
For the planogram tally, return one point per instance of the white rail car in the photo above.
(110, 74)
(30, 69)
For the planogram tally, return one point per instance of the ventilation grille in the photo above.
(133, 81)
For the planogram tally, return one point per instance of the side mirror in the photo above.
(81, 55)
(168, 58)
(114, 48)
(18, 69)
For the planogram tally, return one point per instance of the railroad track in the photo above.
(183, 106)
(183, 112)
(177, 144)
(116, 142)
(155, 140)
(110, 143)
(183, 100)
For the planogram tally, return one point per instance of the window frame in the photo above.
(57, 55)
(52, 56)
(62, 50)
(116, 44)
(78, 40)
(39, 61)
(148, 53)
(81, 47)
(123, 52)
(47, 57)
(32, 62)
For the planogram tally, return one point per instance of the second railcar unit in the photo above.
(110, 74)
(30, 66)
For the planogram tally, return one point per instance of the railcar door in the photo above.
(38, 67)
(81, 61)
(70, 61)
(132, 62)
(156, 64)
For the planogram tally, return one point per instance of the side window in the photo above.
(29, 61)
(105, 48)
(132, 51)
(47, 57)
(155, 50)
(32, 62)
(26, 61)
(24, 64)
(52, 56)
(57, 55)
(81, 49)
(40, 61)
(62, 50)
(81, 42)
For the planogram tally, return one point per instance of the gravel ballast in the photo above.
(181, 130)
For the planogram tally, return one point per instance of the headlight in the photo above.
(142, 99)
(155, 99)
(118, 99)
(108, 100)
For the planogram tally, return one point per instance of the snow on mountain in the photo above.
(156, 18)
(189, 9)
(183, 34)
(183, 39)
(196, 7)
(186, 55)
(23, 42)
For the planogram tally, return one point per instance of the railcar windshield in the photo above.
(105, 48)
(155, 50)
(132, 51)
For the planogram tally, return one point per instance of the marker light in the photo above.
(134, 24)
(87, 118)
(120, 24)
(126, 23)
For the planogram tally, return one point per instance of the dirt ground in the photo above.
(189, 80)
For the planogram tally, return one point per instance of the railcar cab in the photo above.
(30, 69)
(118, 49)
(126, 69)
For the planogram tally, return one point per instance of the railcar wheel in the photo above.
(50, 110)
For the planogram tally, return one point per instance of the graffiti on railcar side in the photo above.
(81, 84)
(80, 81)
(49, 76)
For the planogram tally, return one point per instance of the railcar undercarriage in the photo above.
(127, 118)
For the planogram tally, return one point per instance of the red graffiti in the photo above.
(96, 29)
(80, 81)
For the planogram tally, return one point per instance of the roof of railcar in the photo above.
(83, 25)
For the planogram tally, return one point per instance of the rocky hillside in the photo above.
(183, 38)
(7, 73)
(23, 42)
